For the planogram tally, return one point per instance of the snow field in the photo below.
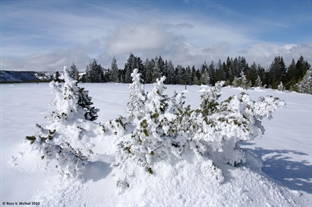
(285, 150)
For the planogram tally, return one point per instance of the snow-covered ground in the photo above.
(285, 150)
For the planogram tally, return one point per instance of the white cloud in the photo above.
(264, 53)
(139, 37)
(62, 37)
(221, 48)
(52, 61)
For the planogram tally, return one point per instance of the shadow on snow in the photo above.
(97, 170)
(279, 165)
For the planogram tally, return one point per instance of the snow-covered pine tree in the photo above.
(65, 140)
(237, 82)
(196, 81)
(148, 138)
(205, 79)
(305, 86)
(218, 128)
(281, 87)
(258, 82)
(209, 99)
(72, 102)
(241, 82)
(245, 83)
(136, 105)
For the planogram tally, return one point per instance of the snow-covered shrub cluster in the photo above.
(156, 129)
(159, 130)
(67, 137)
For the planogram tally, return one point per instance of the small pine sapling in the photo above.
(241, 82)
(64, 139)
(258, 83)
(281, 87)
(136, 105)
(236, 119)
(147, 139)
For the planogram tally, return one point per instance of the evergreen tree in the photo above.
(193, 74)
(252, 73)
(148, 65)
(73, 72)
(170, 74)
(114, 71)
(196, 81)
(129, 67)
(140, 67)
(281, 87)
(301, 67)
(205, 79)
(243, 65)
(211, 72)
(136, 105)
(242, 82)
(148, 137)
(237, 82)
(220, 72)
(236, 67)
(277, 71)
(156, 70)
(261, 72)
(258, 82)
(56, 76)
(230, 70)
(161, 66)
(66, 139)
(291, 75)
(188, 74)
(305, 86)
(179, 75)
(94, 73)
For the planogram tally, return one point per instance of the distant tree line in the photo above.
(232, 71)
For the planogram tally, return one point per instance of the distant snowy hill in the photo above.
(23, 76)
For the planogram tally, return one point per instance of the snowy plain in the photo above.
(284, 178)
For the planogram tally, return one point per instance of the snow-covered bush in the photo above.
(148, 138)
(66, 138)
(218, 127)
(210, 133)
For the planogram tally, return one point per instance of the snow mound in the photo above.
(184, 183)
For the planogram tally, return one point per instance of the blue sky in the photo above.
(46, 35)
